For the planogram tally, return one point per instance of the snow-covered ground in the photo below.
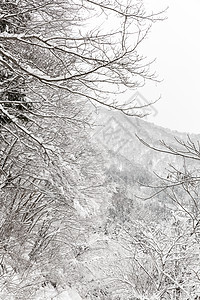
(51, 294)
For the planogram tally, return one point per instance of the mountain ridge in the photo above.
(117, 134)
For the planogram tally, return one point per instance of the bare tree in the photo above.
(179, 190)
(55, 46)
(53, 64)
(181, 183)
(46, 210)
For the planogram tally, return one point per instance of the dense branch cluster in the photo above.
(56, 58)
(55, 45)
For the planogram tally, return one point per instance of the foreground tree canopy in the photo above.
(80, 49)
(57, 60)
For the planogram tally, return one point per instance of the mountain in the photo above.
(118, 135)
(147, 247)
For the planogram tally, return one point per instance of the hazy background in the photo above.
(175, 43)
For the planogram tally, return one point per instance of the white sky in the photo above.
(175, 43)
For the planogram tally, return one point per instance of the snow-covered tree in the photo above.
(55, 46)
(53, 64)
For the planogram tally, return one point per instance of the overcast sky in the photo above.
(175, 43)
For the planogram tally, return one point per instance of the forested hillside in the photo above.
(154, 215)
